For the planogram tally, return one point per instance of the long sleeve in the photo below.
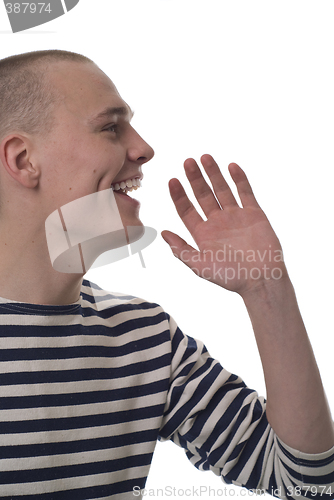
(222, 425)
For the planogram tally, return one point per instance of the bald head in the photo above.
(27, 95)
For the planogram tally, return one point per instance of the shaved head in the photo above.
(27, 95)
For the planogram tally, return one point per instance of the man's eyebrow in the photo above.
(112, 111)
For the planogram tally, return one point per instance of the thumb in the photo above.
(180, 248)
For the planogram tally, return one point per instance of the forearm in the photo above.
(297, 407)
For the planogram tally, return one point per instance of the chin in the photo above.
(131, 219)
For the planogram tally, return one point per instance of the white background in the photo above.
(249, 82)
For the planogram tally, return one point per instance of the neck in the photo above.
(26, 273)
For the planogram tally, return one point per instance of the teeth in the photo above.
(126, 186)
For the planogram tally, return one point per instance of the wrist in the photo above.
(268, 291)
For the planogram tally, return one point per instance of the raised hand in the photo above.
(237, 247)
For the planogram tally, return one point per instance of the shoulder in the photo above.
(116, 308)
(101, 299)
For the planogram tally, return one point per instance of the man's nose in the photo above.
(140, 151)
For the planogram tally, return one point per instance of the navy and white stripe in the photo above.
(87, 389)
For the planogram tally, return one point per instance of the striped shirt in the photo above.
(87, 389)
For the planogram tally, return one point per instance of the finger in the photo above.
(180, 248)
(201, 188)
(186, 210)
(220, 186)
(243, 186)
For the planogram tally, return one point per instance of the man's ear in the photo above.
(15, 155)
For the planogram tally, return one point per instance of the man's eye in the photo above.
(111, 128)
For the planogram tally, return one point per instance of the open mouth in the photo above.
(126, 186)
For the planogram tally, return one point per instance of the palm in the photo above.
(237, 247)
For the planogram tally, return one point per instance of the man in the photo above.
(88, 380)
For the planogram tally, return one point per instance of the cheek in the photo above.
(106, 168)
(62, 157)
(81, 163)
